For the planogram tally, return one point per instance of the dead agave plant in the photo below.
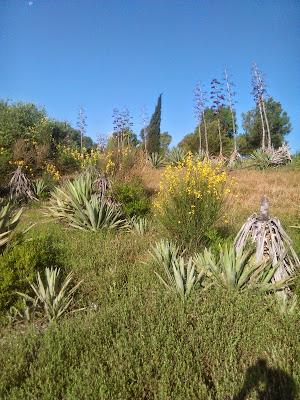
(272, 242)
(20, 186)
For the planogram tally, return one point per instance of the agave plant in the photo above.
(54, 297)
(239, 271)
(175, 155)
(164, 252)
(183, 279)
(97, 215)
(39, 187)
(9, 219)
(263, 158)
(139, 225)
(155, 160)
(287, 303)
(201, 155)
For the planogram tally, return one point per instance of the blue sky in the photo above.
(103, 54)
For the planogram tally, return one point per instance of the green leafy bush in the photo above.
(132, 197)
(21, 261)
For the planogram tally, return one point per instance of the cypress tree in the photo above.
(153, 135)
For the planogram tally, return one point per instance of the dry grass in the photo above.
(280, 186)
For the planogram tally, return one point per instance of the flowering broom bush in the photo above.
(190, 200)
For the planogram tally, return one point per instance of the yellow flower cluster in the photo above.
(22, 164)
(193, 177)
(95, 157)
(51, 169)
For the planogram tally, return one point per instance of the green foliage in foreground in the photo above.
(143, 345)
(136, 340)
(22, 260)
(9, 219)
(132, 198)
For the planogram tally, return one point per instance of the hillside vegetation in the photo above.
(120, 277)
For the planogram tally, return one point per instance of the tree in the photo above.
(143, 133)
(279, 125)
(165, 140)
(153, 137)
(81, 124)
(191, 141)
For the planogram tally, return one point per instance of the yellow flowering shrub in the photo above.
(52, 171)
(190, 200)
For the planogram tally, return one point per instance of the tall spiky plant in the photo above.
(53, 295)
(9, 219)
(218, 103)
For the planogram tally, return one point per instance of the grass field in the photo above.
(132, 338)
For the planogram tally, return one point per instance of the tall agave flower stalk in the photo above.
(272, 242)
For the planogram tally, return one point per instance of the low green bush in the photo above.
(21, 261)
(132, 197)
(143, 345)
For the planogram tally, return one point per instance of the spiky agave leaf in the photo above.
(139, 225)
(164, 252)
(9, 220)
(53, 296)
(97, 215)
(183, 279)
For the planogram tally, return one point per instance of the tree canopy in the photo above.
(191, 141)
(153, 136)
(279, 124)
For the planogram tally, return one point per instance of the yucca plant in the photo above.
(139, 225)
(240, 271)
(97, 215)
(201, 155)
(175, 155)
(9, 219)
(183, 279)
(155, 160)
(164, 252)
(287, 303)
(54, 297)
(39, 187)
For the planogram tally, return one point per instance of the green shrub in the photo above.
(21, 261)
(132, 197)
(143, 345)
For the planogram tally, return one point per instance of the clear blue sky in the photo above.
(103, 54)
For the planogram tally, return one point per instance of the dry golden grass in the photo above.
(281, 186)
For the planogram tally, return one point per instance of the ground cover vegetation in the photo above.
(130, 274)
